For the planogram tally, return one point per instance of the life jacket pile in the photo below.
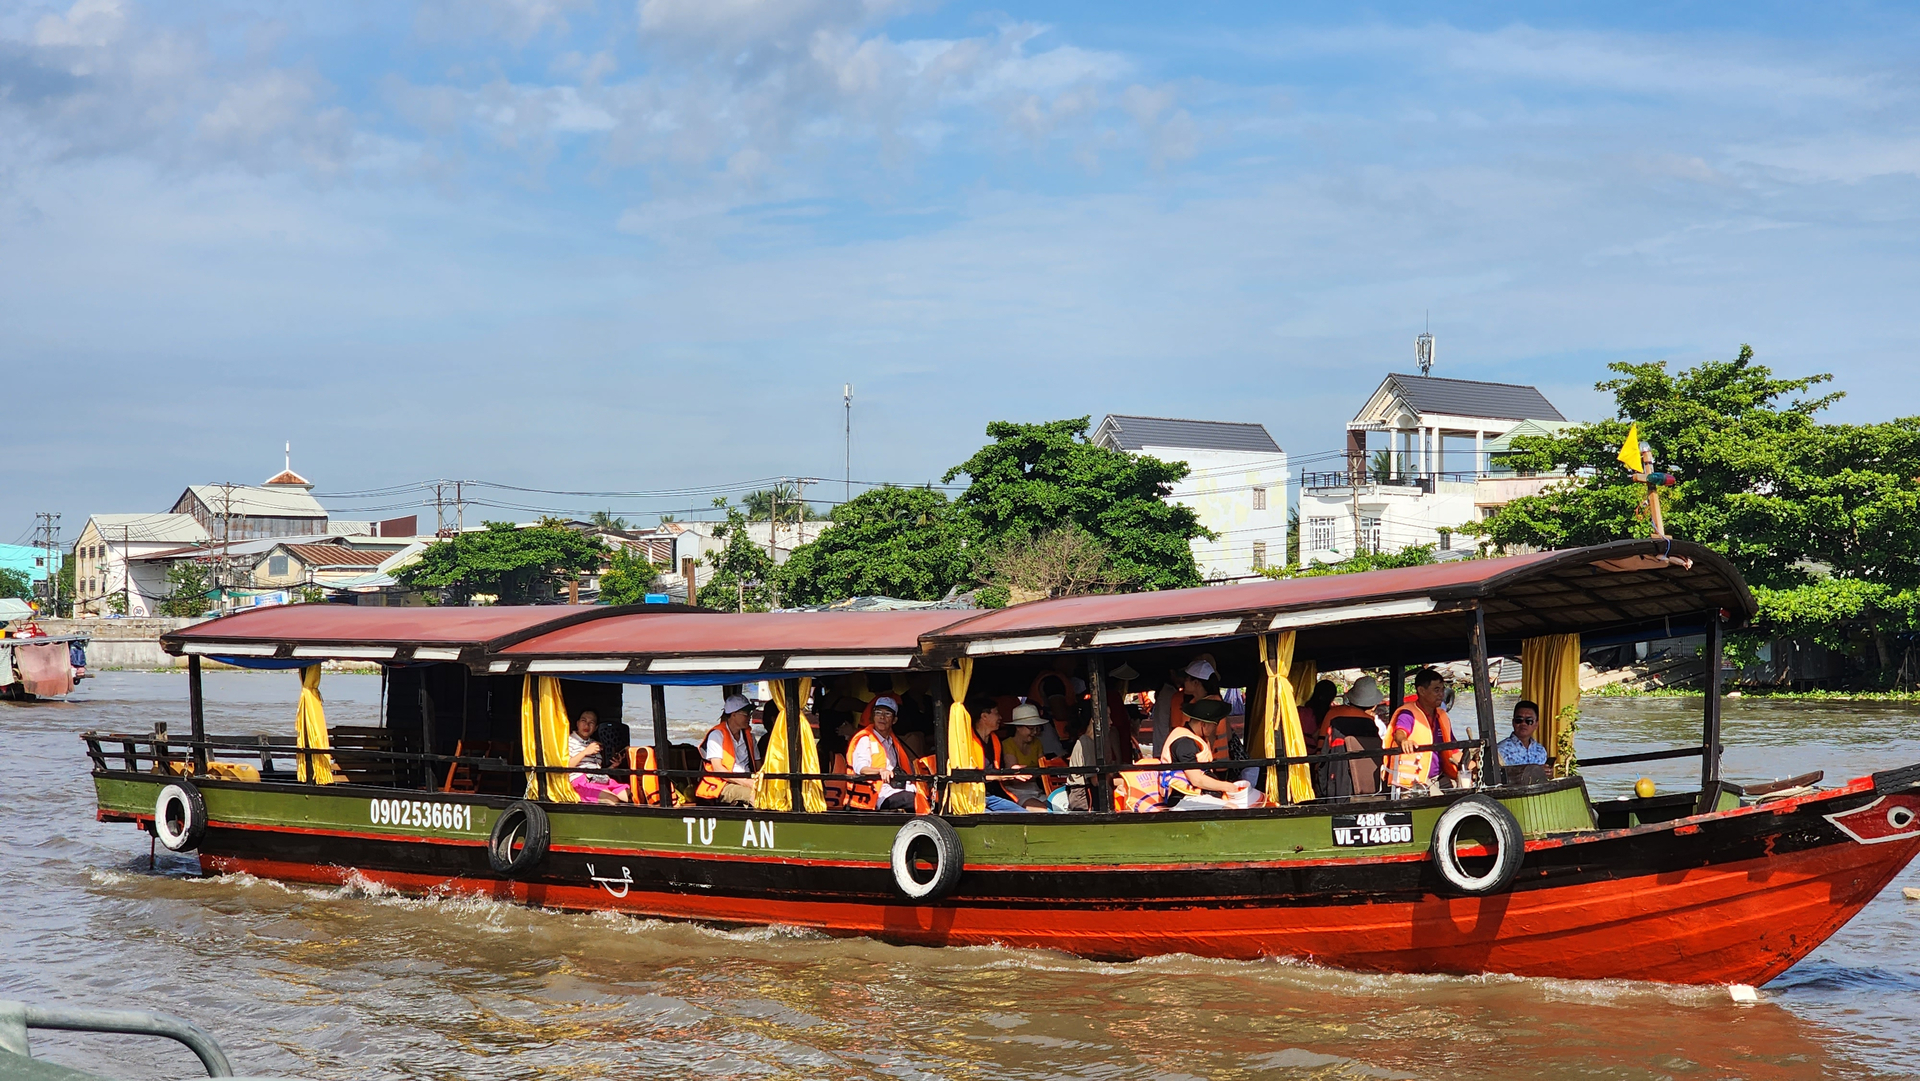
(644, 784)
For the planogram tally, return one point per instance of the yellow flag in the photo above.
(1630, 450)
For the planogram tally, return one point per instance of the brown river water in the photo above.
(357, 983)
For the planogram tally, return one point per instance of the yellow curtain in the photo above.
(1303, 677)
(310, 729)
(551, 712)
(963, 751)
(776, 793)
(1281, 720)
(1550, 677)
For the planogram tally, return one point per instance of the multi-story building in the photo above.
(1421, 462)
(1236, 485)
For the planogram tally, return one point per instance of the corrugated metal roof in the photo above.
(149, 528)
(257, 502)
(335, 555)
(1120, 432)
(1472, 398)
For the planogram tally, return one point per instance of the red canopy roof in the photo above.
(748, 645)
(315, 629)
(731, 633)
(1379, 616)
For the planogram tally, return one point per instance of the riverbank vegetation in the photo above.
(1818, 516)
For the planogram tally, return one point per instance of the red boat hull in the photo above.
(1744, 921)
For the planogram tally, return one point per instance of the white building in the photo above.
(1419, 466)
(1236, 484)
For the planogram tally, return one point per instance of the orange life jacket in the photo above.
(644, 785)
(1334, 713)
(1148, 790)
(840, 790)
(1411, 769)
(716, 777)
(909, 776)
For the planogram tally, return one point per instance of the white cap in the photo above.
(734, 704)
(1202, 668)
(888, 703)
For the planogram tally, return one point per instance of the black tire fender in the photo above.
(526, 823)
(180, 816)
(926, 858)
(1492, 825)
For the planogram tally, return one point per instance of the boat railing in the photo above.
(156, 753)
(1643, 756)
(17, 1017)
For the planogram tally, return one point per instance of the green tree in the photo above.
(1036, 477)
(511, 563)
(605, 520)
(1418, 555)
(187, 589)
(743, 572)
(1066, 561)
(15, 583)
(759, 506)
(887, 542)
(68, 589)
(628, 579)
(1818, 517)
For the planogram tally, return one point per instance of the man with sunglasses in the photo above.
(1521, 748)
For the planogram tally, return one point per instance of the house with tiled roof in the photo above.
(1236, 484)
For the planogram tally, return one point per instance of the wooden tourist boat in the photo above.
(1717, 885)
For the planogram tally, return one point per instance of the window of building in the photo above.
(1259, 499)
(1259, 553)
(1320, 534)
(1370, 535)
(1446, 540)
(277, 566)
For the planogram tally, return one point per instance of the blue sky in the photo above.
(639, 246)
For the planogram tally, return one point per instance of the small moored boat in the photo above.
(463, 789)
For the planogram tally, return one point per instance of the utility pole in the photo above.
(800, 490)
(439, 510)
(226, 543)
(1356, 468)
(49, 543)
(846, 395)
(126, 575)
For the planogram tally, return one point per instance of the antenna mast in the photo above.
(1423, 349)
(846, 395)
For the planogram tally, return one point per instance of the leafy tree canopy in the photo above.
(628, 579)
(187, 589)
(888, 542)
(15, 583)
(1037, 477)
(1817, 516)
(743, 572)
(760, 505)
(1416, 556)
(509, 563)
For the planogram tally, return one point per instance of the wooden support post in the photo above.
(197, 710)
(1102, 791)
(1396, 688)
(660, 744)
(1483, 700)
(942, 706)
(539, 751)
(1710, 734)
(789, 692)
(686, 571)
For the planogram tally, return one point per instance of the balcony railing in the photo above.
(1397, 479)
